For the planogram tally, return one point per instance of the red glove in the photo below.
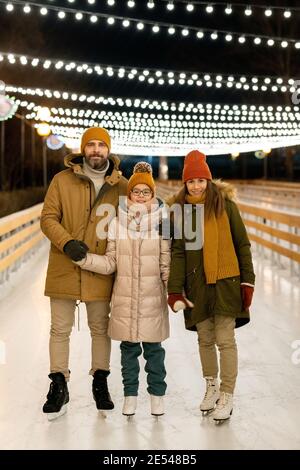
(247, 294)
(177, 302)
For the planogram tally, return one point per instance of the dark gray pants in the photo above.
(154, 355)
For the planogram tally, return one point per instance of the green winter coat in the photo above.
(187, 273)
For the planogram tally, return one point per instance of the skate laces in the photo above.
(53, 392)
(223, 400)
(210, 388)
(101, 388)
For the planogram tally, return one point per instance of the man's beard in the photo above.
(97, 164)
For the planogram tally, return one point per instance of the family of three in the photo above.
(128, 275)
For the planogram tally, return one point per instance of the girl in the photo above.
(217, 277)
(139, 309)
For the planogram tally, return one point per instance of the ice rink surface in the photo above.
(266, 411)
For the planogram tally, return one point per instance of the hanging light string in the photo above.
(129, 143)
(161, 77)
(156, 26)
(172, 122)
(218, 128)
(167, 111)
(192, 116)
(207, 7)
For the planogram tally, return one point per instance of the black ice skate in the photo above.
(100, 390)
(58, 396)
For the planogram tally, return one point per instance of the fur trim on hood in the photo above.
(228, 191)
(74, 161)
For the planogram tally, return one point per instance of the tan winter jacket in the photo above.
(139, 310)
(69, 212)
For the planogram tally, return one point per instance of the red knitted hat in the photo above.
(195, 166)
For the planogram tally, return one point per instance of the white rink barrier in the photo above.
(275, 233)
(284, 196)
(20, 238)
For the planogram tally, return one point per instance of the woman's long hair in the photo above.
(214, 201)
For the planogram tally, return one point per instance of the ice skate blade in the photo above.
(53, 416)
(129, 417)
(220, 421)
(207, 412)
(157, 415)
(128, 414)
(104, 413)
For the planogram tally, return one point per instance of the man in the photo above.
(69, 219)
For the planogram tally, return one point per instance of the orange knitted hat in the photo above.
(95, 133)
(195, 166)
(142, 174)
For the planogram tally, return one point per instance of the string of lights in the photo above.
(207, 7)
(221, 119)
(238, 111)
(170, 129)
(160, 134)
(160, 77)
(129, 143)
(174, 30)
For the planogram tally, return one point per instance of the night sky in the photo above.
(69, 40)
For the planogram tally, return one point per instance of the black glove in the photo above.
(76, 249)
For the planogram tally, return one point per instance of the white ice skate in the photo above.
(157, 405)
(211, 395)
(224, 407)
(129, 406)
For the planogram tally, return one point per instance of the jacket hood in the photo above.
(228, 191)
(74, 161)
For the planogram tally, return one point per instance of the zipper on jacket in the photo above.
(103, 189)
(192, 272)
(90, 198)
(138, 302)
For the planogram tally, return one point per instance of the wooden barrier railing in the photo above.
(20, 235)
(271, 194)
(277, 230)
(279, 194)
(289, 185)
(167, 188)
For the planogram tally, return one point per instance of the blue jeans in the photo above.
(154, 355)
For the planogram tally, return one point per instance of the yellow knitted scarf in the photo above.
(220, 260)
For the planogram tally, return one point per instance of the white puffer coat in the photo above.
(141, 259)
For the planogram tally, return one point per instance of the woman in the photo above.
(217, 277)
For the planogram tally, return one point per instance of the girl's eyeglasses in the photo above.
(144, 192)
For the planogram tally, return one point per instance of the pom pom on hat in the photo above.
(142, 174)
(195, 166)
(142, 167)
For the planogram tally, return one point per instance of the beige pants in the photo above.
(62, 320)
(218, 330)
